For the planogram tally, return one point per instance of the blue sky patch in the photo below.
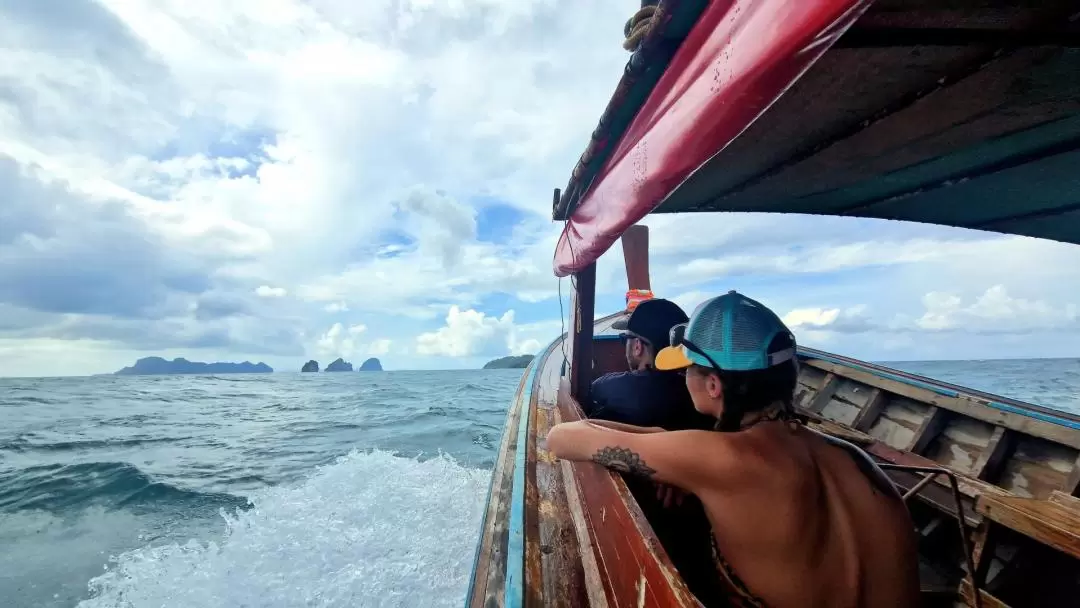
(495, 220)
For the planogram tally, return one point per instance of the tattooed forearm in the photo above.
(623, 461)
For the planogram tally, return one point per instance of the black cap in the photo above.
(653, 320)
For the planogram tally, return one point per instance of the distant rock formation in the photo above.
(339, 365)
(371, 365)
(157, 365)
(513, 362)
(310, 366)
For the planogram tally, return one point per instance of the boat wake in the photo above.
(371, 529)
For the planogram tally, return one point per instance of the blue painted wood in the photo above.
(514, 593)
(484, 521)
(941, 390)
(514, 586)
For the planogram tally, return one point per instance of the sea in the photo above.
(281, 490)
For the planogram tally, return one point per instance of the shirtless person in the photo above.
(798, 519)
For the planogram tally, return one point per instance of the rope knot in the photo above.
(639, 26)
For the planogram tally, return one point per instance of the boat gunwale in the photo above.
(947, 389)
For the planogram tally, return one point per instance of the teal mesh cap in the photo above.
(737, 333)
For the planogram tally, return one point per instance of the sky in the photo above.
(278, 180)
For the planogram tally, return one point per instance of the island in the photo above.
(158, 365)
(371, 365)
(339, 365)
(512, 362)
(310, 366)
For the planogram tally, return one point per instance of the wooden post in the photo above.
(635, 246)
(582, 305)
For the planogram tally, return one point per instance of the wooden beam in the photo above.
(962, 405)
(988, 601)
(1065, 500)
(824, 394)
(992, 459)
(581, 332)
(1049, 523)
(635, 246)
(870, 412)
(930, 428)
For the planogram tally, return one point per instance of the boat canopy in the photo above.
(962, 113)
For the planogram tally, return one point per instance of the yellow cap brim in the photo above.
(672, 357)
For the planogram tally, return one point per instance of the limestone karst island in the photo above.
(341, 365)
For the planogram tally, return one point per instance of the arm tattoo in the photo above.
(623, 461)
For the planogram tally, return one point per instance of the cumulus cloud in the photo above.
(238, 179)
(346, 341)
(995, 311)
(468, 333)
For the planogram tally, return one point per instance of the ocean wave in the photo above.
(62, 488)
(342, 537)
(25, 443)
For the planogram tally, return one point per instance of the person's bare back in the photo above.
(798, 518)
(800, 526)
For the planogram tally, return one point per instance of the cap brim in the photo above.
(622, 323)
(672, 357)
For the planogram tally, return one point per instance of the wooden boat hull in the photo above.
(570, 534)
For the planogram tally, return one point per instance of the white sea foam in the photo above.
(372, 529)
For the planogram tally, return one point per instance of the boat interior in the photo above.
(962, 113)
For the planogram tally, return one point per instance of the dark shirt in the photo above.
(654, 398)
(645, 398)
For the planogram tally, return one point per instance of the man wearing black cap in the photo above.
(645, 396)
(648, 397)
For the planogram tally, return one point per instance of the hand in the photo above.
(669, 495)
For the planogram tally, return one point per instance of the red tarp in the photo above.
(737, 60)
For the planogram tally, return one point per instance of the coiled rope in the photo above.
(639, 26)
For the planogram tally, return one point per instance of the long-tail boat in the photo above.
(954, 112)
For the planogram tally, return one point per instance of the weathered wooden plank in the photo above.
(961, 404)
(988, 601)
(534, 580)
(634, 568)
(1047, 522)
(824, 394)
(931, 425)
(811, 377)
(594, 584)
(899, 421)
(553, 553)
(961, 443)
(514, 592)
(1065, 500)
(635, 246)
(1036, 467)
(490, 564)
(874, 405)
(988, 466)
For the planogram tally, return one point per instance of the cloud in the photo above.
(995, 311)
(850, 320)
(265, 291)
(469, 333)
(346, 341)
(235, 180)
